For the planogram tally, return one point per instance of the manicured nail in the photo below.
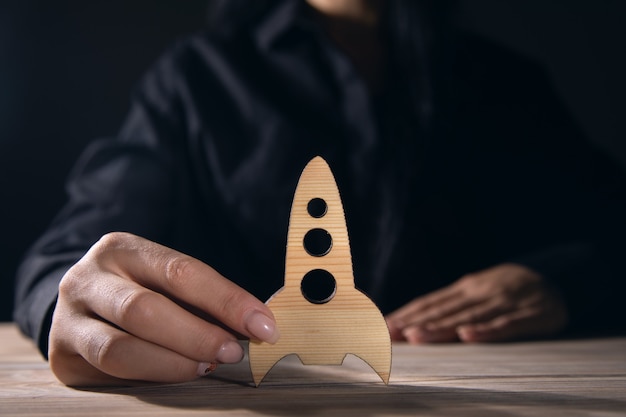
(205, 368)
(262, 327)
(466, 334)
(417, 335)
(410, 335)
(230, 352)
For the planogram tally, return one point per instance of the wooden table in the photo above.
(565, 378)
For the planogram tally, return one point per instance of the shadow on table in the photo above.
(306, 397)
(360, 400)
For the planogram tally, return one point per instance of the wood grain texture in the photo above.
(576, 378)
(324, 333)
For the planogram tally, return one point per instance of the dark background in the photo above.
(67, 68)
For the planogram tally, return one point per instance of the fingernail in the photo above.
(262, 327)
(465, 333)
(230, 352)
(410, 334)
(205, 368)
(417, 335)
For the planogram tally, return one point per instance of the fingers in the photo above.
(419, 334)
(424, 306)
(488, 322)
(428, 319)
(504, 302)
(189, 280)
(544, 315)
(491, 322)
(444, 327)
(106, 355)
(514, 325)
(469, 312)
(133, 308)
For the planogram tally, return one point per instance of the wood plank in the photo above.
(568, 378)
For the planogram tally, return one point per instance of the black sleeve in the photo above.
(120, 184)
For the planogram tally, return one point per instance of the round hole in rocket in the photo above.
(318, 286)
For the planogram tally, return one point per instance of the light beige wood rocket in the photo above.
(321, 327)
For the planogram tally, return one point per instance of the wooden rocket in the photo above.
(320, 313)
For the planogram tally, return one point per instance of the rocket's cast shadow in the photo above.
(309, 392)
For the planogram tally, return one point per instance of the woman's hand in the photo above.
(131, 309)
(505, 302)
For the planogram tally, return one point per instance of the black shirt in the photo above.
(221, 127)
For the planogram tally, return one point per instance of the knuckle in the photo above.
(74, 280)
(137, 306)
(178, 270)
(76, 277)
(234, 305)
(106, 352)
(70, 281)
(468, 283)
(112, 241)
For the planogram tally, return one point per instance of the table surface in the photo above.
(584, 377)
